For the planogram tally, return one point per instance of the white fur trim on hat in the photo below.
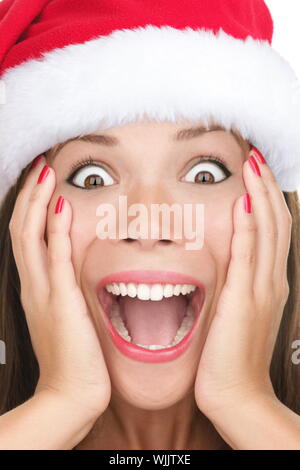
(164, 73)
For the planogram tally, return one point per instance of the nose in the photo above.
(156, 222)
(157, 217)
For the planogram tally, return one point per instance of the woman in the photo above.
(231, 383)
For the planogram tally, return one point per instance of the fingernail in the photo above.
(59, 205)
(254, 165)
(43, 175)
(36, 161)
(247, 203)
(258, 155)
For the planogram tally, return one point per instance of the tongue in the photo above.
(153, 322)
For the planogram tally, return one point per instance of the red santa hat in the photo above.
(72, 67)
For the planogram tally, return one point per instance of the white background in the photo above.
(286, 39)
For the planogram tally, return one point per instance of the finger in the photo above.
(283, 220)
(33, 244)
(60, 267)
(266, 243)
(241, 269)
(19, 213)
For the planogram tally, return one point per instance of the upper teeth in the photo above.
(149, 291)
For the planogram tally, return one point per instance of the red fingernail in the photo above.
(59, 205)
(247, 203)
(254, 165)
(258, 155)
(36, 161)
(43, 175)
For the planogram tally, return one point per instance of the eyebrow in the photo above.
(112, 141)
(187, 134)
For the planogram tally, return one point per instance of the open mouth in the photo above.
(151, 315)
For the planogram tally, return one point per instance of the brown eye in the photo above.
(93, 180)
(206, 172)
(204, 177)
(91, 176)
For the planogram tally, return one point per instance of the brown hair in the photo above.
(19, 376)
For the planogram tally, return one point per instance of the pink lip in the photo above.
(151, 277)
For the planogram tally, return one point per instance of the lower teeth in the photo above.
(183, 330)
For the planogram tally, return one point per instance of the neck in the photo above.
(181, 426)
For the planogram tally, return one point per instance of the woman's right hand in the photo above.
(62, 333)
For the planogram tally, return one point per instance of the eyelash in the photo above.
(84, 162)
(81, 163)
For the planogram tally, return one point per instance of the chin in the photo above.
(155, 398)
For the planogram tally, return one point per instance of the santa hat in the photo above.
(72, 67)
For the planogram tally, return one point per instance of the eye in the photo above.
(90, 175)
(210, 170)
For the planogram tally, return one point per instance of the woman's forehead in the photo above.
(183, 131)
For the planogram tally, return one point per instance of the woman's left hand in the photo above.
(235, 361)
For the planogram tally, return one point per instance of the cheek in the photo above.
(82, 234)
(218, 230)
(83, 229)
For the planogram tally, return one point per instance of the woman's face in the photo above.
(150, 167)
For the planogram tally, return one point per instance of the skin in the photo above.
(160, 395)
(211, 396)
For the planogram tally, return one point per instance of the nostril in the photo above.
(129, 240)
